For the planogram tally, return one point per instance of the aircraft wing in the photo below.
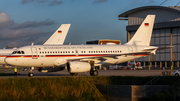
(58, 36)
(114, 56)
(145, 52)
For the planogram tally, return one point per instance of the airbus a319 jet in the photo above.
(83, 58)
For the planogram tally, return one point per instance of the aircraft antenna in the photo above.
(32, 44)
(177, 3)
(162, 2)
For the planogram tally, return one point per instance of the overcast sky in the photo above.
(25, 21)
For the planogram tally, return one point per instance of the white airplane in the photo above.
(57, 38)
(83, 58)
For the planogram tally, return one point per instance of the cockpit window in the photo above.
(22, 52)
(18, 52)
(14, 52)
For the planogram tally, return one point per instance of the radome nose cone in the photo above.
(8, 61)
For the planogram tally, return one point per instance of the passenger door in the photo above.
(130, 49)
(34, 53)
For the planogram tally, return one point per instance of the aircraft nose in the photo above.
(9, 60)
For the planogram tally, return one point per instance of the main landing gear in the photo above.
(31, 72)
(94, 72)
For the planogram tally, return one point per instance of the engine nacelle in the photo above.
(77, 66)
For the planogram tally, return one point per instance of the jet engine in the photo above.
(77, 66)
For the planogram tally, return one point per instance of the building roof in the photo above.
(125, 14)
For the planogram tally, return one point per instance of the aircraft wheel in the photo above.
(30, 74)
(73, 74)
(94, 72)
(176, 74)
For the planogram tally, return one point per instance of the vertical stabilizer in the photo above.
(59, 35)
(144, 32)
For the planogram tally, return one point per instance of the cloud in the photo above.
(33, 24)
(49, 2)
(26, 1)
(141, 2)
(56, 2)
(99, 1)
(12, 32)
(4, 17)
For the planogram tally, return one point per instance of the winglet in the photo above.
(59, 35)
(144, 32)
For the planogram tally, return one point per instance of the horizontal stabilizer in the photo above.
(157, 48)
(161, 48)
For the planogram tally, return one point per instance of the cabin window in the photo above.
(14, 52)
(72, 51)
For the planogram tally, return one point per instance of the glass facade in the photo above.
(167, 57)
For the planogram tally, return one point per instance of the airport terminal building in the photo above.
(166, 32)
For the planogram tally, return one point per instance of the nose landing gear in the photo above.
(31, 72)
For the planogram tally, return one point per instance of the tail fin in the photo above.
(144, 32)
(59, 35)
